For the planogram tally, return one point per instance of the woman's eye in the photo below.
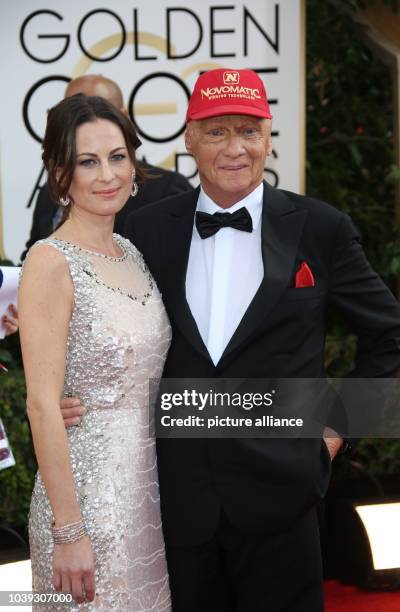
(118, 157)
(87, 162)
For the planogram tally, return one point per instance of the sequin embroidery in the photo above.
(118, 340)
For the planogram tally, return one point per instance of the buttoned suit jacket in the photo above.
(262, 485)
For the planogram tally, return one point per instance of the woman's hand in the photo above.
(73, 569)
(10, 320)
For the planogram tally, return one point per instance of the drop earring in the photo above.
(64, 201)
(135, 188)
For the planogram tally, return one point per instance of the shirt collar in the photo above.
(253, 202)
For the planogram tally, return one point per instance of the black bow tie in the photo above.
(208, 225)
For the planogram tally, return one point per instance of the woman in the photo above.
(93, 325)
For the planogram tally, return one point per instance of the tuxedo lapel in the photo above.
(282, 226)
(176, 232)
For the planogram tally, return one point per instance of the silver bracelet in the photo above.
(68, 534)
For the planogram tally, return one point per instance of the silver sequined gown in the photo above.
(118, 339)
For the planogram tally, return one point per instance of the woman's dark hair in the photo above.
(59, 144)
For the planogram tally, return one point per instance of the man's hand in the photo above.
(72, 411)
(10, 320)
(332, 441)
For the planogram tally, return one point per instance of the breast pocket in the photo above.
(303, 293)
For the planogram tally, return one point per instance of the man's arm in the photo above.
(364, 299)
(373, 312)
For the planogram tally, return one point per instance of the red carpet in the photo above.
(341, 598)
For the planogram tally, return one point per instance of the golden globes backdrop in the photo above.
(154, 51)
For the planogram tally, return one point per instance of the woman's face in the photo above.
(102, 179)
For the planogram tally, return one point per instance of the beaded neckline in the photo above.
(142, 299)
(123, 257)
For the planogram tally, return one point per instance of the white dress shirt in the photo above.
(224, 272)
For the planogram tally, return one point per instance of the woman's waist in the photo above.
(109, 395)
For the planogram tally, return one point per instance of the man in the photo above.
(247, 272)
(160, 184)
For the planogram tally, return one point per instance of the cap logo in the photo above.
(231, 78)
(228, 91)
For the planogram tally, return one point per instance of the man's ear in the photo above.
(269, 137)
(269, 147)
(188, 140)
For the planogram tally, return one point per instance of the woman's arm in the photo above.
(45, 308)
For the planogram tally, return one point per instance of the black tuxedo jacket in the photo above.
(262, 485)
(161, 184)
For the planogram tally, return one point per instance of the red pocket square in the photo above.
(304, 276)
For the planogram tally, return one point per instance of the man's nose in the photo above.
(234, 145)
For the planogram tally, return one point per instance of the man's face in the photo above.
(230, 153)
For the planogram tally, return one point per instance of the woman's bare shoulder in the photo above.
(45, 264)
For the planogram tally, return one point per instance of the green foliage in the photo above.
(10, 352)
(350, 152)
(16, 483)
(367, 3)
(351, 163)
(339, 352)
(380, 456)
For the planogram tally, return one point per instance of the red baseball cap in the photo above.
(228, 92)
